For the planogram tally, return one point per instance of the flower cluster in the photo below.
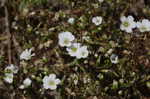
(128, 24)
(74, 49)
(10, 70)
(49, 82)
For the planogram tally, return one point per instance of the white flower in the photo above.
(144, 26)
(97, 20)
(73, 50)
(8, 77)
(26, 54)
(50, 82)
(71, 20)
(21, 87)
(82, 52)
(100, 1)
(27, 82)
(65, 39)
(11, 69)
(114, 58)
(127, 23)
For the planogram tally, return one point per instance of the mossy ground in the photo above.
(36, 24)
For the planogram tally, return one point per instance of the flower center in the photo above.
(97, 21)
(8, 71)
(126, 24)
(74, 49)
(66, 41)
(51, 83)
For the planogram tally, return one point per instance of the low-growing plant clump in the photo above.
(75, 49)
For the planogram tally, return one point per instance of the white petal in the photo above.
(52, 76)
(133, 25)
(123, 18)
(8, 77)
(45, 79)
(122, 27)
(33, 54)
(78, 56)
(61, 43)
(129, 30)
(46, 86)
(21, 87)
(100, 1)
(145, 21)
(138, 24)
(30, 50)
(26, 54)
(53, 87)
(130, 18)
(57, 81)
(27, 82)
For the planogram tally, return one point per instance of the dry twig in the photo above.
(7, 30)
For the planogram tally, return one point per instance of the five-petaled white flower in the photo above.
(26, 54)
(8, 77)
(73, 50)
(114, 58)
(65, 39)
(50, 82)
(127, 23)
(97, 20)
(71, 20)
(144, 26)
(83, 52)
(11, 69)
